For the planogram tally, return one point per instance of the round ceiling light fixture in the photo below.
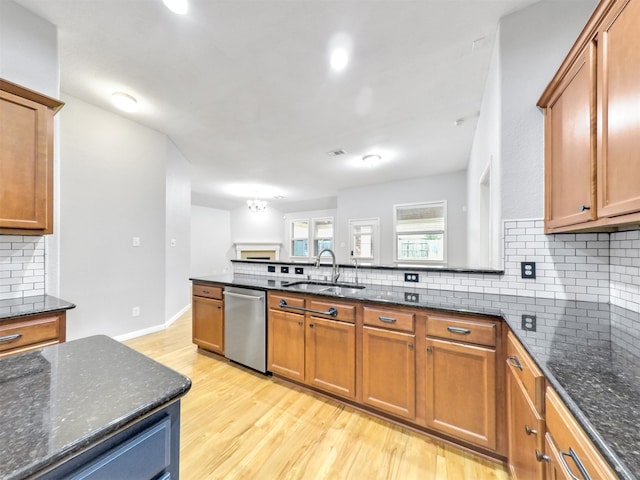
(371, 160)
(124, 101)
(177, 6)
(339, 59)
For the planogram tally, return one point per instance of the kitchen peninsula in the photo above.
(86, 407)
(581, 350)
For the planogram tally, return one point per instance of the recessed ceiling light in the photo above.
(124, 101)
(177, 6)
(339, 59)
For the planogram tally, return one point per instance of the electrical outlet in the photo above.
(411, 297)
(411, 277)
(528, 269)
(299, 270)
(271, 268)
(135, 312)
(284, 269)
(529, 323)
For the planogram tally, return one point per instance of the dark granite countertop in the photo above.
(18, 307)
(589, 352)
(60, 399)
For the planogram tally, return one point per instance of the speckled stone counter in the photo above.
(18, 307)
(61, 399)
(589, 352)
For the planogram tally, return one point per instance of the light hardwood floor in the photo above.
(238, 424)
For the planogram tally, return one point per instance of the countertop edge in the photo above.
(602, 445)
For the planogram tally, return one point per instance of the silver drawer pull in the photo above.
(514, 362)
(574, 456)
(463, 331)
(530, 431)
(9, 338)
(206, 291)
(387, 319)
(333, 311)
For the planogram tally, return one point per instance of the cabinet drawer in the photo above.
(207, 291)
(525, 370)
(392, 319)
(573, 445)
(346, 313)
(463, 330)
(22, 332)
(291, 301)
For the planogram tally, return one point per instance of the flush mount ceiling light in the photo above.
(257, 206)
(124, 101)
(177, 6)
(371, 160)
(339, 59)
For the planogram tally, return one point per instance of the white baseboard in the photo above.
(154, 329)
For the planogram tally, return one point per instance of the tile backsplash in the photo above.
(593, 267)
(22, 266)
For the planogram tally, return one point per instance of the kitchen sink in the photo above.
(327, 287)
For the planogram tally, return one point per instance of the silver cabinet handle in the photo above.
(387, 319)
(541, 457)
(530, 431)
(463, 331)
(240, 295)
(574, 456)
(333, 311)
(206, 291)
(514, 362)
(584, 207)
(9, 338)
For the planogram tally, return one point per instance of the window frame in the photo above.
(375, 238)
(292, 222)
(311, 237)
(439, 203)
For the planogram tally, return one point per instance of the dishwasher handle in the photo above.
(241, 295)
(333, 311)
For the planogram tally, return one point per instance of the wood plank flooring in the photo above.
(238, 424)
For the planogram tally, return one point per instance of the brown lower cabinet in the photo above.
(461, 391)
(311, 348)
(388, 371)
(208, 318)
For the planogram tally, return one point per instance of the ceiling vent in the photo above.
(335, 153)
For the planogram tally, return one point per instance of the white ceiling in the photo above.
(244, 87)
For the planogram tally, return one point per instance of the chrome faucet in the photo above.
(335, 274)
(355, 262)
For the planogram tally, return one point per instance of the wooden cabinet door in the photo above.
(570, 148)
(618, 112)
(208, 324)
(331, 356)
(461, 391)
(388, 371)
(26, 170)
(285, 344)
(526, 433)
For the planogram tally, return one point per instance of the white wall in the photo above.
(210, 241)
(485, 153)
(533, 42)
(178, 232)
(378, 200)
(248, 227)
(112, 189)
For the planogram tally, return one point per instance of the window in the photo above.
(300, 238)
(420, 232)
(322, 234)
(364, 239)
(310, 236)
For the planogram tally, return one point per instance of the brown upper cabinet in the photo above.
(26, 160)
(592, 126)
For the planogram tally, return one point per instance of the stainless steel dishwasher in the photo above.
(245, 327)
